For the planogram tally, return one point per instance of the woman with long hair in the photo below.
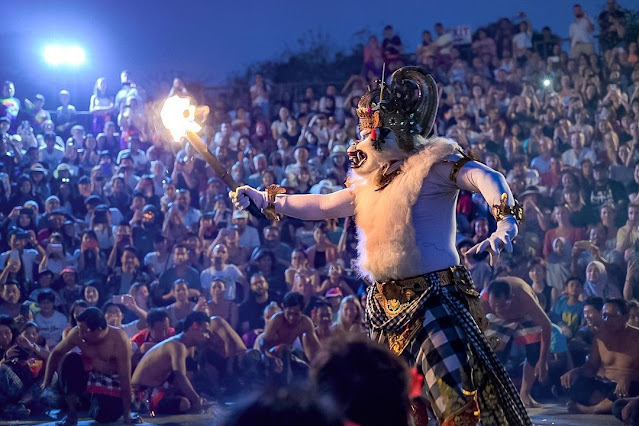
(76, 309)
(350, 316)
(100, 106)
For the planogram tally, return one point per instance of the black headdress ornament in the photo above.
(407, 108)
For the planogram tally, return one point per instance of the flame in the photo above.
(179, 116)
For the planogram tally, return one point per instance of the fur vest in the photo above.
(386, 246)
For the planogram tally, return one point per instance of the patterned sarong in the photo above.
(104, 384)
(460, 369)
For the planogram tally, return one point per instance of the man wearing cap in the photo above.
(140, 162)
(249, 237)
(51, 153)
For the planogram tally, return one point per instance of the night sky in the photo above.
(210, 39)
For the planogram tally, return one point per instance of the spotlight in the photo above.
(56, 55)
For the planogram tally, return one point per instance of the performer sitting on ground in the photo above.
(612, 369)
(281, 333)
(513, 310)
(103, 369)
(166, 363)
(403, 191)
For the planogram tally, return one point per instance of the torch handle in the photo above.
(220, 170)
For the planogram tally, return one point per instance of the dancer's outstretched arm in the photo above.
(301, 206)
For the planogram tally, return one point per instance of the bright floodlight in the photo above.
(64, 55)
(546, 82)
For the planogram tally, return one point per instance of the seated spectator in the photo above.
(8, 333)
(263, 261)
(221, 269)
(568, 311)
(251, 310)
(71, 290)
(350, 317)
(273, 243)
(10, 304)
(546, 295)
(75, 310)
(91, 292)
(282, 331)
(114, 314)
(322, 317)
(51, 323)
(165, 364)
(158, 261)
(18, 242)
(303, 285)
(335, 280)
(106, 350)
(218, 305)
(254, 337)
(182, 306)
(122, 278)
(45, 280)
(249, 237)
(22, 368)
(299, 264)
(598, 283)
(369, 385)
(512, 310)
(157, 330)
(612, 369)
(161, 291)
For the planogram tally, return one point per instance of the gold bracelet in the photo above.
(271, 192)
(502, 210)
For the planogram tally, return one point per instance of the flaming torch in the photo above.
(179, 117)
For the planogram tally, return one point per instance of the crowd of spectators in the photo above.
(115, 216)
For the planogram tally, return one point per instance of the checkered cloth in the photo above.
(444, 347)
(103, 384)
(525, 332)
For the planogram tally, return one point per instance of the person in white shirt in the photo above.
(140, 161)
(522, 41)
(50, 322)
(18, 241)
(581, 34)
(221, 270)
(578, 153)
(51, 153)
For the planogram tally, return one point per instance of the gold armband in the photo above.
(502, 210)
(271, 192)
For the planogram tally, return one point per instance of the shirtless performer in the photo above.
(282, 331)
(102, 370)
(513, 310)
(403, 190)
(166, 363)
(612, 369)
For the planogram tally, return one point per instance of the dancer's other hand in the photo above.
(499, 240)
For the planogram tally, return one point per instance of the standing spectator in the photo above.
(568, 311)
(373, 57)
(392, 49)
(65, 115)
(227, 272)
(611, 22)
(522, 41)
(260, 94)
(581, 33)
(9, 104)
(100, 105)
